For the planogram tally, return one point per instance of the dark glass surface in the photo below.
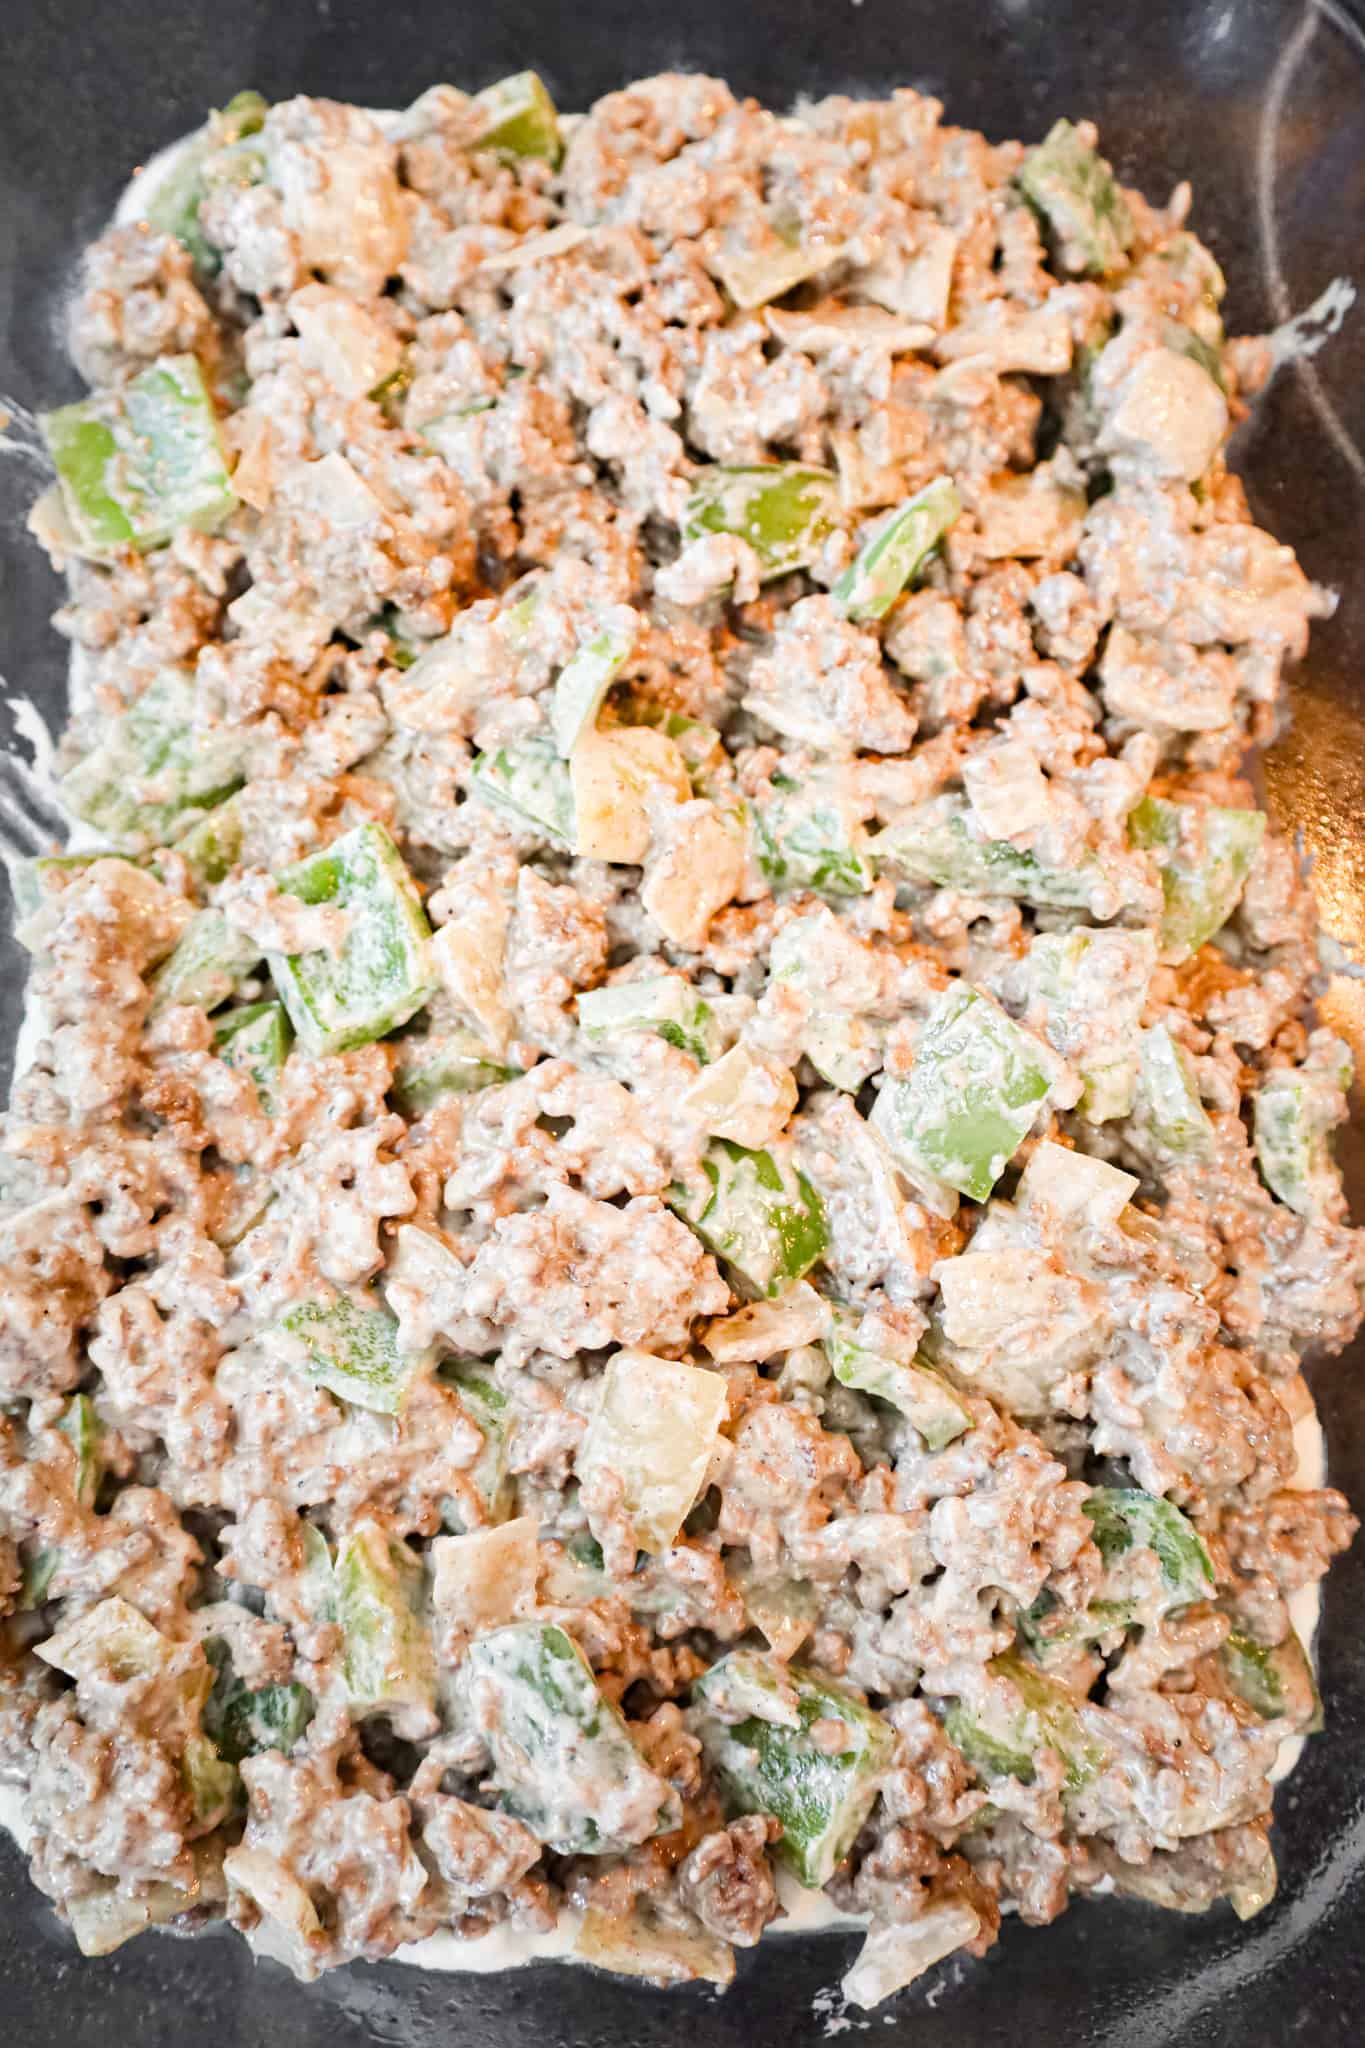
(1263, 106)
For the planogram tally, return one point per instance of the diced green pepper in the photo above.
(1093, 985)
(530, 782)
(388, 1661)
(664, 1004)
(582, 685)
(1074, 191)
(256, 1038)
(138, 462)
(805, 839)
(1005, 1743)
(975, 1090)
(383, 973)
(783, 510)
(762, 1217)
(1205, 853)
(1278, 1684)
(517, 117)
(153, 745)
(210, 159)
(213, 847)
(1126, 1521)
(935, 843)
(1169, 1125)
(1294, 1112)
(922, 1396)
(242, 1723)
(350, 1346)
(452, 1062)
(486, 1405)
(39, 1570)
(896, 551)
(209, 961)
(80, 1425)
(821, 1795)
(562, 1755)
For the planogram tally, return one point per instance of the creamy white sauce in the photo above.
(805, 1912)
(148, 179)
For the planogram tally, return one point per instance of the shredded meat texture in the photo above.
(674, 1168)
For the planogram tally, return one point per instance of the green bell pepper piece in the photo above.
(663, 1004)
(1205, 853)
(242, 1723)
(1093, 985)
(934, 843)
(922, 1396)
(1277, 1684)
(213, 847)
(1007, 1743)
(1294, 1112)
(804, 840)
(80, 1425)
(138, 462)
(453, 1062)
(517, 117)
(1074, 191)
(897, 550)
(844, 1050)
(153, 743)
(210, 159)
(383, 973)
(975, 1090)
(29, 880)
(256, 1038)
(783, 510)
(1127, 1520)
(209, 961)
(350, 1346)
(582, 684)
(1169, 1125)
(761, 1216)
(531, 783)
(558, 1745)
(775, 1766)
(486, 1404)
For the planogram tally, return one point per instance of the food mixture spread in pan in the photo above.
(675, 1166)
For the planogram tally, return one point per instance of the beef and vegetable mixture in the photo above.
(677, 1166)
